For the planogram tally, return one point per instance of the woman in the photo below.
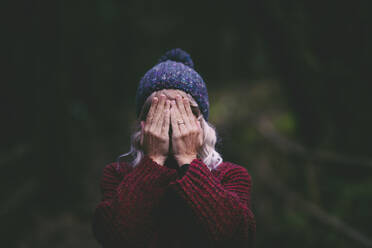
(177, 191)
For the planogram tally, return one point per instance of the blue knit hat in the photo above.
(174, 70)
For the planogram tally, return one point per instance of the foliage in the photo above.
(289, 85)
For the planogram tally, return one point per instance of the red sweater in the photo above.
(154, 206)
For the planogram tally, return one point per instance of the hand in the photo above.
(186, 131)
(154, 135)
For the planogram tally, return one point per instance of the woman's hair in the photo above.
(207, 152)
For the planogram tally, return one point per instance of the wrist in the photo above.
(185, 159)
(158, 159)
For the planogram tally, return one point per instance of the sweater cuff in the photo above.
(196, 166)
(152, 171)
(152, 165)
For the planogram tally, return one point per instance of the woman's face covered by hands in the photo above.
(171, 127)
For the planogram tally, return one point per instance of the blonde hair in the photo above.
(207, 153)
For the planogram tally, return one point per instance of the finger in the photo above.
(165, 127)
(158, 116)
(159, 124)
(178, 119)
(189, 113)
(182, 112)
(173, 118)
(198, 123)
(150, 115)
(188, 109)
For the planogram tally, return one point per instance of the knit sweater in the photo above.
(152, 206)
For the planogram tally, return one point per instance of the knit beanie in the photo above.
(174, 70)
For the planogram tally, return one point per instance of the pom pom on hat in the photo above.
(177, 55)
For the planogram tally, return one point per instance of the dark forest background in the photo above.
(290, 91)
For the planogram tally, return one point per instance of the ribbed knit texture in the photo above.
(159, 206)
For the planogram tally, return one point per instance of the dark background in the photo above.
(289, 85)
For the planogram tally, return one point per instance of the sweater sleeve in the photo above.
(123, 217)
(222, 208)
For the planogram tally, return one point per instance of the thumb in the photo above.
(142, 127)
